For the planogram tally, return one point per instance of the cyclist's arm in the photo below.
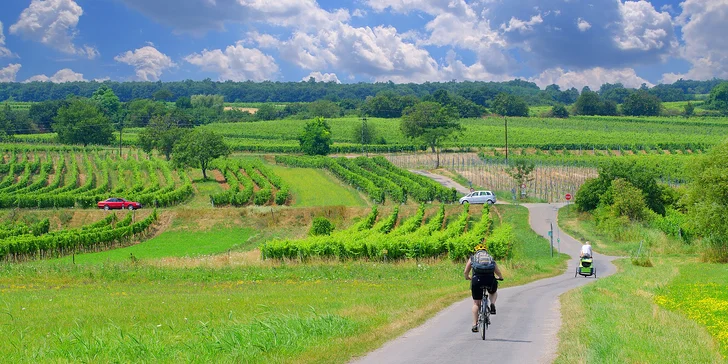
(498, 272)
(467, 270)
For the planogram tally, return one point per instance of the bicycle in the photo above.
(484, 312)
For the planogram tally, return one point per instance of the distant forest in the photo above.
(308, 91)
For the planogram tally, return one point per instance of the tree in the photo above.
(139, 112)
(316, 137)
(718, 98)
(688, 110)
(42, 113)
(520, 170)
(430, 123)
(267, 112)
(641, 103)
(324, 108)
(162, 95)
(161, 134)
(588, 103)
(509, 105)
(81, 122)
(183, 102)
(708, 201)
(107, 102)
(628, 200)
(198, 148)
(594, 192)
(559, 111)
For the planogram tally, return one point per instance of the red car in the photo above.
(118, 203)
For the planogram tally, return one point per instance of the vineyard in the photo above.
(20, 242)
(582, 132)
(413, 238)
(575, 133)
(74, 177)
(249, 181)
(377, 178)
(556, 172)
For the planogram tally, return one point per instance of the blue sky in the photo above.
(568, 42)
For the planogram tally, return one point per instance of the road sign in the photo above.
(568, 197)
(523, 185)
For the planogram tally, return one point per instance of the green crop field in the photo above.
(64, 177)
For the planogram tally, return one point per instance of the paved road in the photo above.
(524, 330)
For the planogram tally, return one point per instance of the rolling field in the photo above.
(334, 310)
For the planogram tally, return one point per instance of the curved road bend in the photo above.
(524, 330)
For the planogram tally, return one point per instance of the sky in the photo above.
(572, 43)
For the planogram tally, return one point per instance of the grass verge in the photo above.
(664, 313)
(617, 320)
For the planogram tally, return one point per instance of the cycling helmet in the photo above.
(480, 247)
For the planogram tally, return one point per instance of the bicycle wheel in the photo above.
(485, 312)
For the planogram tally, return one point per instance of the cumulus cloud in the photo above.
(53, 23)
(644, 28)
(4, 52)
(703, 22)
(593, 78)
(148, 62)
(582, 24)
(64, 75)
(521, 25)
(236, 63)
(8, 73)
(322, 77)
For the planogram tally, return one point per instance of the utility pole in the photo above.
(505, 120)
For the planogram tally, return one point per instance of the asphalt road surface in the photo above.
(523, 331)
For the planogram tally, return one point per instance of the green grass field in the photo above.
(314, 187)
(169, 244)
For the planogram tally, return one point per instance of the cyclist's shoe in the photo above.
(492, 309)
(475, 328)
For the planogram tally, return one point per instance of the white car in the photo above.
(479, 197)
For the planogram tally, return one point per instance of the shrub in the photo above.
(589, 194)
(321, 226)
(628, 200)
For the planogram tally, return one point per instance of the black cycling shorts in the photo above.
(478, 282)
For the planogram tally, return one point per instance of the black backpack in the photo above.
(482, 263)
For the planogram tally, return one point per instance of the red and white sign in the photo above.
(568, 197)
(523, 185)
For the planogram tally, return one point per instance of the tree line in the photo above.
(477, 91)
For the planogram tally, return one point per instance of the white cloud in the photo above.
(148, 62)
(8, 73)
(583, 25)
(522, 26)
(322, 77)
(593, 78)
(4, 52)
(236, 63)
(703, 22)
(64, 75)
(359, 13)
(53, 23)
(644, 28)
(263, 40)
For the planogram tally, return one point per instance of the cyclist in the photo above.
(586, 250)
(484, 273)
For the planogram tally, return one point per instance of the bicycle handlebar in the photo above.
(499, 279)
